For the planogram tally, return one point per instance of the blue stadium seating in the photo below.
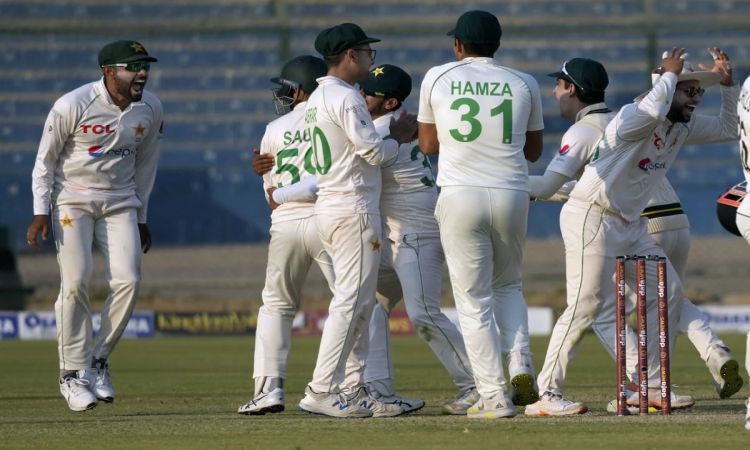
(214, 84)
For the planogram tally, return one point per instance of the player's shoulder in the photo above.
(435, 72)
(78, 98)
(289, 120)
(521, 76)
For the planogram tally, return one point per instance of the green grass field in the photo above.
(184, 393)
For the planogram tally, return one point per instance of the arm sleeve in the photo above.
(57, 129)
(303, 191)
(636, 120)
(545, 186)
(147, 160)
(358, 126)
(425, 114)
(718, 128)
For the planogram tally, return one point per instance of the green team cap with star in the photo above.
(387, 81)
(589, 75)
(123, 52)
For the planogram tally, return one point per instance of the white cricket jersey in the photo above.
(92, 149)
(743, 111)
(347, 151)
(640, 143)
(579, 143)
(407, 202)
(482, 112)
(288, 140)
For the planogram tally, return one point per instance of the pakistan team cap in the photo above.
(588, 75)
(336, 39)
(123, 52)
(387, 81)
(478, 27)
(303, 70)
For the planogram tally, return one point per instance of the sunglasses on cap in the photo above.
(569, 78)
(132, 67)
(693, 91)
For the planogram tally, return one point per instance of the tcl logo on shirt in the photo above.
(96, 129)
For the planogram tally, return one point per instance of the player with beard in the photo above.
(602, 219)
(93, 175)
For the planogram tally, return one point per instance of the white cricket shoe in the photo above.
(725, 371)
(524, 389)
(333, 405)
(269, 402)
(100, 383)
(551, 404)
(364, 399)
(463, 401)
(408, 405)
(654, 398)
(495, 407)
(75, 390)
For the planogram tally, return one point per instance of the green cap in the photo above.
(303, 70)
(387, 81)
(477, 27)
(588, 75)
(336, 39)
(123, 52)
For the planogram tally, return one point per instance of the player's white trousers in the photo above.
(593, 239)
(676, 244)
(112, 227)
(353, 243)
(294, 246)
(483, 233)
(413, 268)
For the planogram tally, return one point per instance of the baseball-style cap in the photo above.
(303, 70)
(588, 75)
(387, 81)
(336, 39)
(478, 27)
(123, 52)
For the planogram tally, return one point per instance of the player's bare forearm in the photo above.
(428, 140)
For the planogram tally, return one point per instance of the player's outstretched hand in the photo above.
(673, 60)
(40, 224)
(145, 235)
(404, 129)
(722, 65)
(262, 163)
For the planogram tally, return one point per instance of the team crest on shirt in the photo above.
(375, 245)
(66, 221)
(565, 149)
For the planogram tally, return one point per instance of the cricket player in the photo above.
(412, 264)
(743, 211)
(295, 243)
(347, 155)
(602, 219)
(91, 182)
(579, 88)
(486, 121)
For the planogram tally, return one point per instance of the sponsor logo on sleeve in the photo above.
(564, 150)
(647, 165)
